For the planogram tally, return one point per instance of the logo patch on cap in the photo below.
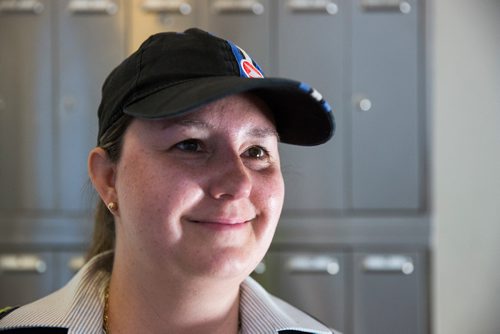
(250, 70)
(248, 67)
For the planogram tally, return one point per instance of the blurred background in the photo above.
(393, 227)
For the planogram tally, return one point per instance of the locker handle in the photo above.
(313, 265)
(362, 103)
(326, 6)
(22, 264)
(388, 264)
(386, 5)
(165, 6)
(21, 6)
(245, 6)
(365, 104)
(107, 7)
(76, 263)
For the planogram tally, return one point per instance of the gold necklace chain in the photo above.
(105, 317)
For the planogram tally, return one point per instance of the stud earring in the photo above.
(112, 206)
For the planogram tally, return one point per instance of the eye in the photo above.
(189, 145)
(257, 152)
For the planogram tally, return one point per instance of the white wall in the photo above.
(464, 78)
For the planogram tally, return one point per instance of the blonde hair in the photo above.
(103, 238)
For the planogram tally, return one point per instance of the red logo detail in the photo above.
(250, 70)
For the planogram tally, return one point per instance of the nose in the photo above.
(230, 179)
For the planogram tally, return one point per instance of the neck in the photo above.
(138, 304)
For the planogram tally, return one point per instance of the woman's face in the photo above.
(201, 194)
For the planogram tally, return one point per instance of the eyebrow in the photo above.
(257, 132)
(194, 123)
(263, 133)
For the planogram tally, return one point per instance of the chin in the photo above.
(230, 264)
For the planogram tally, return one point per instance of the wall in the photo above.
(464, 75)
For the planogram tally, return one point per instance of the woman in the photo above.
(187, 168)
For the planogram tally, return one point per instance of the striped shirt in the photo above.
(78, 307)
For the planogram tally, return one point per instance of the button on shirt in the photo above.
(78, 308)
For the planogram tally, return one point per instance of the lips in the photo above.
(221, 225)
(222, 221)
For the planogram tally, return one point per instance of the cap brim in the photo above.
(300, 118)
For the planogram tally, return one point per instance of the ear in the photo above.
(102, 173)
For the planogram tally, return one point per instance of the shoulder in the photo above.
(25, 330)
(34, 330)
(77, 305)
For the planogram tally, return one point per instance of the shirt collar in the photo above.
(263, 313)
(79, 306)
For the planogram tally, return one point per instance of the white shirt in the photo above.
(79, 307)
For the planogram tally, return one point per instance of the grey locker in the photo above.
(385, 135)
(91, 43)
(25, 276)
(313, 281)
(389, 293)
(310, 46)
(246, 23)
(152, 16)
(26, 124)
(365, 63)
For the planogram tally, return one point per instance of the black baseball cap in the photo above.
(174, 73)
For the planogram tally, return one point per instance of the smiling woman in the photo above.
(188, 172)
(195, 192)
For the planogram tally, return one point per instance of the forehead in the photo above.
(230, 112)
(239, 115)
(239, 106)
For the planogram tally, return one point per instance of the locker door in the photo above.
(246, 23)
(25, 277)
(91, 43)
(152, 16)
(26, 123)
(312, 281)
(389, 293)
(386, 162)
(310, 48)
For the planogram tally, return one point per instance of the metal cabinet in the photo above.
(362, 55)
(354, 292)
(311, 39)
(27, 159)
(387, 109)
(148, 17)
(52, 70)
(90, 43)
(54, 58)
(389, 293)
(316, 282)
(25, 276)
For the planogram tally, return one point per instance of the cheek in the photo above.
(154, 191)
(138, 186)
(277, 192)
(271, 197)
